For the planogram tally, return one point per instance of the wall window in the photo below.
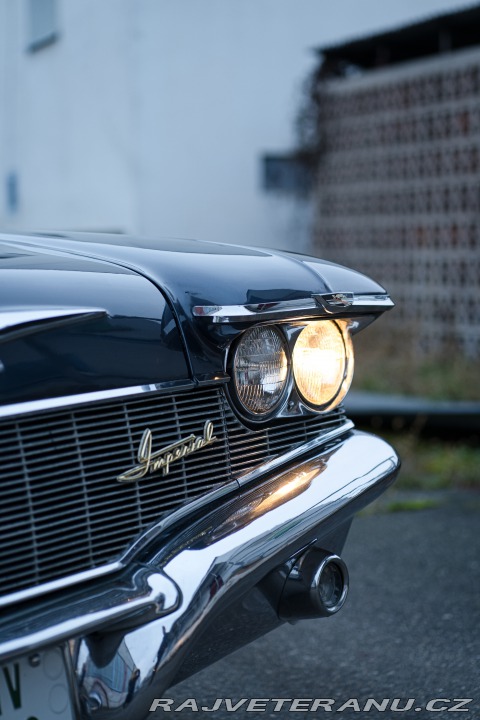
(11, 188)
(42, 23)
(287, 174)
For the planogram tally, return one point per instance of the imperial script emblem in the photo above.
(149, 462)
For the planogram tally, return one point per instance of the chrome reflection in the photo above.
(275, 494)
(140, 595)
(112, 686)
(222, 557)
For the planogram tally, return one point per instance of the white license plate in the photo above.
(35, 687)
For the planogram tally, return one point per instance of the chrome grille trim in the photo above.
(84, 576)
(33, 406)
(63, 462)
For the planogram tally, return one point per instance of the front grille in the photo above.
(62, 510)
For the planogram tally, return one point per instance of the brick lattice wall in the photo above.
(398, 193)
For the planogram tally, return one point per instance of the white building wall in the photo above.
(216, 99)
(152, 116)
(65, 119)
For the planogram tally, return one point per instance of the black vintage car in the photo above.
(178, 474)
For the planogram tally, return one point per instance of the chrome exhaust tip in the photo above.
(317, 586)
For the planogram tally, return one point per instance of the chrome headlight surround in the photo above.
(289, 394)
(260, 371)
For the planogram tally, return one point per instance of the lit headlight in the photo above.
(260, 369)
(323, 363)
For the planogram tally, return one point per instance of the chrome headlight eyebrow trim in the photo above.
(340, 302)
(321, 305)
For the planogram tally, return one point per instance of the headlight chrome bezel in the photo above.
(285, 370)
(291, 401)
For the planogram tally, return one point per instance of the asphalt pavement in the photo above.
(410, 630)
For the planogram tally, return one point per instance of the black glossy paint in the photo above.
(136, 343)
(191, 272)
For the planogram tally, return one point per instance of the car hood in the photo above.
(193, 273)
(72, 325)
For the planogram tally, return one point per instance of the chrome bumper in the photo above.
(189, 581)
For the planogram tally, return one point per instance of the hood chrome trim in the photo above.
(24, 322)
(19, 596)
(318, 305)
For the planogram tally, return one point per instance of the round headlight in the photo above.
(323, 363)
(260, 369)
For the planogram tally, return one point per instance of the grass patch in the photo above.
(430, 469)
(411, 504)
(387, 363)
(428, 464)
